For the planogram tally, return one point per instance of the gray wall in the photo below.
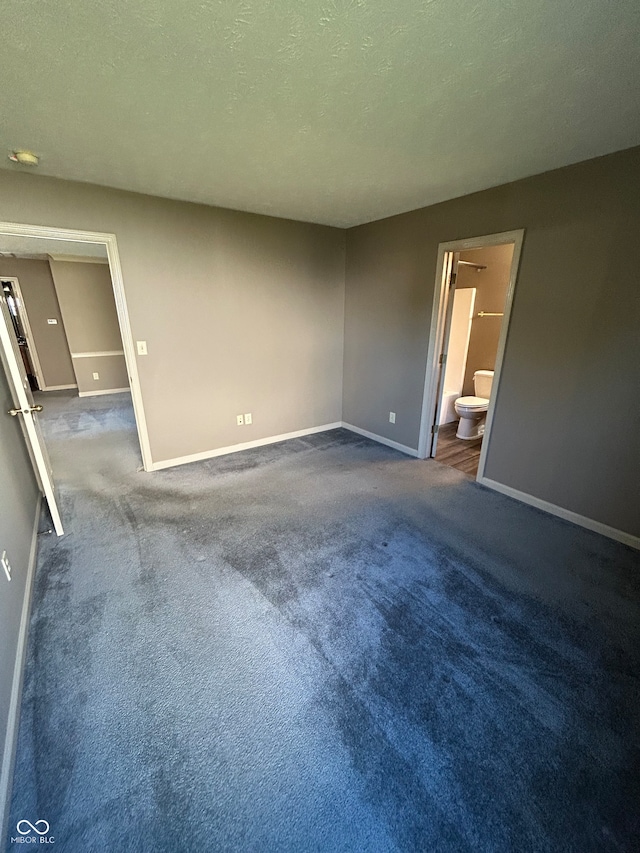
(566, 421)
(41, 303)
(245, 313)
(18, 500)
(241, 313)
(88, 306)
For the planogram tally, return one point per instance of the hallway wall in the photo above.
(85, 294)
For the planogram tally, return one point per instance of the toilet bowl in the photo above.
(472, 411)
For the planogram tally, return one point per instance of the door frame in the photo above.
(24, 319)
(439, 312)
(109, 241)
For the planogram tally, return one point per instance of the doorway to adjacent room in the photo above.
(70, 251)
(472, 303)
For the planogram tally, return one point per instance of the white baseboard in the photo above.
(100, 393)
(561, 512)
(568, 515)
(9, 753)
(410, 451)
(236, 448)
(58, 387)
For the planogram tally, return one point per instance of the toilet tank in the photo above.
(482, 382)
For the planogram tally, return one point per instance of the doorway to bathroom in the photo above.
(472, 303)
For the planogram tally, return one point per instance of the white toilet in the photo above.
(473, 410)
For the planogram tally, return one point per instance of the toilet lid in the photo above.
(473, 402)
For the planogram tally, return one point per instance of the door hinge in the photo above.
(434, 429)
(452, 280)
(443, 358)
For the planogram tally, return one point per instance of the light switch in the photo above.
(142, 347)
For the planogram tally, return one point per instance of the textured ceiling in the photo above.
(334, 111)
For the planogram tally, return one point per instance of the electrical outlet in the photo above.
(52, 321)
(96, 376)
(248, 419)
(239, 420)
(142, 347)
(392, 417)
(5, 565)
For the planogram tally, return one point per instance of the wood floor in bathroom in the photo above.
(460, 454)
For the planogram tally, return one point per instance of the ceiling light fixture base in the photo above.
(25, 158)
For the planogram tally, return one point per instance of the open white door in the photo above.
(25, 411)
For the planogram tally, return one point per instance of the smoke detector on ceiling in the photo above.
(25, 158)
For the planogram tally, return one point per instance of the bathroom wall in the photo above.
(88, 306)
(491, 286)
(41, 302)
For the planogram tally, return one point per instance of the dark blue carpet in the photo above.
(322, 646)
